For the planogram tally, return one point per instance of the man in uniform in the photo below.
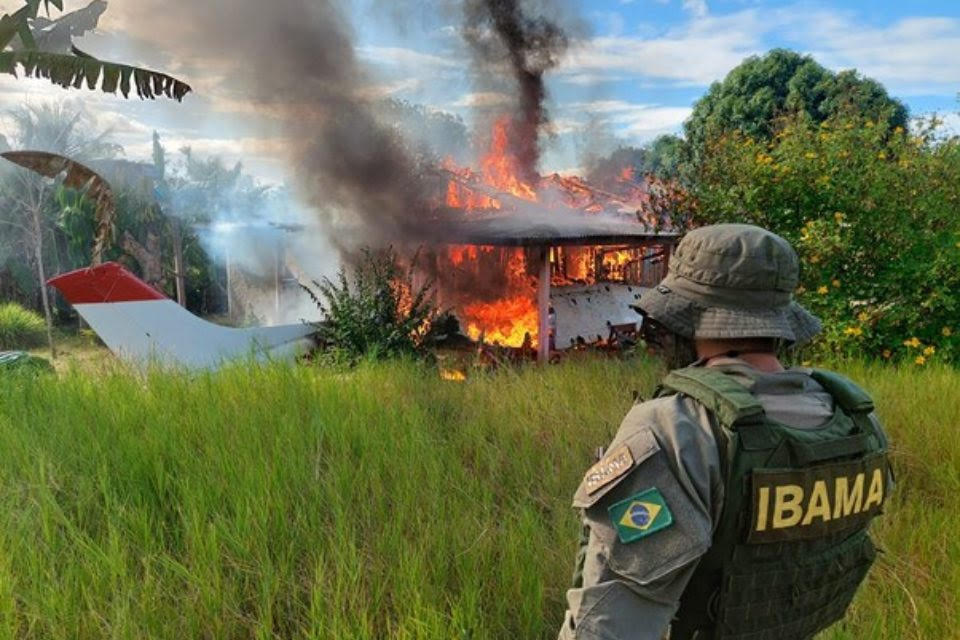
(735, 505)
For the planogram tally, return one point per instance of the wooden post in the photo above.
(543, 307)
(277, 271)
(180, 276)
(226, 255)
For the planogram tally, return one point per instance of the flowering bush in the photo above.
(873, 212)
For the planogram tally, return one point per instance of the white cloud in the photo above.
(607, 106)
(697, 53)
(407, 57)
(482, 99)
(698, 8)
(385, 90)
(912, 56)
(636, 122)
(563, 126)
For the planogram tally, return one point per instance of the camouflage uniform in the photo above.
(653, 505)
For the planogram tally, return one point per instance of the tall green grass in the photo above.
(20, 328)
(285, 502)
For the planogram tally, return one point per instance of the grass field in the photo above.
(286, 502)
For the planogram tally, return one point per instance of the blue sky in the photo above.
(635, 70)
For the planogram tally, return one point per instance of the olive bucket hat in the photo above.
(731, 281)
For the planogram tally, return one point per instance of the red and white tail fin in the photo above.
(140, 324)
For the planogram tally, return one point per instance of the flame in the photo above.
(453, 375)
(509, 321)
(498, 169)
(510, 317)
(499, 166)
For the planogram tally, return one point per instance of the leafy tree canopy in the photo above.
(764, 88)
(872, 213)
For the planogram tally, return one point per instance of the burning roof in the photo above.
(545, 228)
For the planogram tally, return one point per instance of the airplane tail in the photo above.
(140, 324)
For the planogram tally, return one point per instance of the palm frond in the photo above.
(78, 69)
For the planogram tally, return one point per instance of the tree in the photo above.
(662, 158)
(761, 89)
(30, 213)
(24, 34)
(871, 209)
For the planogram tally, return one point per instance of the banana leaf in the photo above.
(73, 70)
(80, 177)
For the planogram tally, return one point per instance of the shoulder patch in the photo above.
(612, 466)
(640, 515)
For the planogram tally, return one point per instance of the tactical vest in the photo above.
(791, 546)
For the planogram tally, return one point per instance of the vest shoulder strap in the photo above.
(848, 395)
(729, 400)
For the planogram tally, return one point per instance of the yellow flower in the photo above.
(853, 331)
(835, 283)
(863, 316)
(898, 130)
(823, 290)
(946, 332)
(920, 360)
(838, 216)
(881, 156)
(887, 353)
(810, 155)
(929, 351)
(912, 342)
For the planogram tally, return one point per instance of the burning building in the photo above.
(518, 259)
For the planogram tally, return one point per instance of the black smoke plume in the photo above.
(502, 31)
(293, 63)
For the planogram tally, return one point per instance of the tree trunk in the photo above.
(149, 258)
(179, 275)
(38, 256)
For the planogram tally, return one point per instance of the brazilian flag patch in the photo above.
(640, 515)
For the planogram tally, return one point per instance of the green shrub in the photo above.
(871, 210)
(376, 312)
(20, 328)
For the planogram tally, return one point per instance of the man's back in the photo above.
(652, 524)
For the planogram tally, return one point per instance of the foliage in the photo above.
(661, 158)
(427, 132)
(377, 312)
(382, 502)
(872, 210)
(78, 177)
(20, 328)
(76, 68)
(759, 91)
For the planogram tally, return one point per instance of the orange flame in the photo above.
(453, 375)
(508, 321)
(512, 319)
